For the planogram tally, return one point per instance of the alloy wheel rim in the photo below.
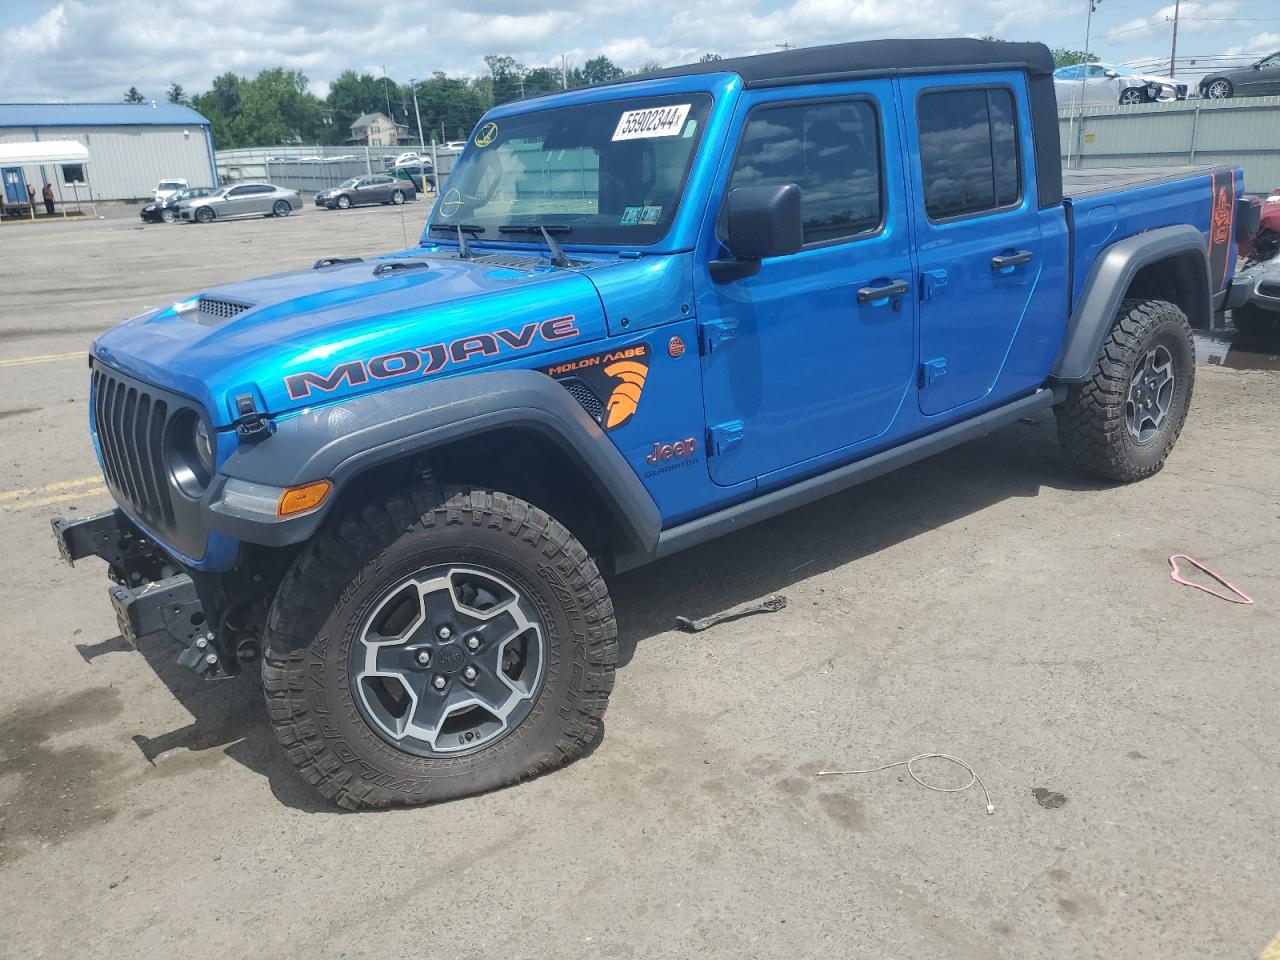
(1217, 90)
(449, 661)
(1150, 398)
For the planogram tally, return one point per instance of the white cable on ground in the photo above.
(973, 776)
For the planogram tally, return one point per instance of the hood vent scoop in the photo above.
(511, 261)
(213, 311)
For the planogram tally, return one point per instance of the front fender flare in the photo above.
(341, 440)
(1108, 283)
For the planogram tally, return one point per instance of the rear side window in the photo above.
(831, 149)
(968, 151)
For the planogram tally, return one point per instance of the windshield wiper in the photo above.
(557, 252)
(462, 229)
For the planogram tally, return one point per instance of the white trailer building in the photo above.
(133, 146)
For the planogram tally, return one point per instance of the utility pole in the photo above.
(1076, 136)
(564, 72)
(386, 88)
(783, 46)
(414, 89)
(1173, 50)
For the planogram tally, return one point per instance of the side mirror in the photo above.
(760, 222)
(1111, 74)
(1258, 65)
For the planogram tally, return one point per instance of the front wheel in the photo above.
(1131, 96)
(168, 216)
(205, 215)
(1219, 90)
(436, 644)
(1121, 423)
(344, 202)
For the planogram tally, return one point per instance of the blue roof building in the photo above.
(132, 146)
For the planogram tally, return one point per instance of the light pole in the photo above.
(422, 142)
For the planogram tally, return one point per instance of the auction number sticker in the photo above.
(653, 122)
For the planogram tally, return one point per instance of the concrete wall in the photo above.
(125, 162)
(1242, 133)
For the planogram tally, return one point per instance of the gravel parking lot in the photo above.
(989, 603)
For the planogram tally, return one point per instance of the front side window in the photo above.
(968, 151)
(610, 172)
(831, 150)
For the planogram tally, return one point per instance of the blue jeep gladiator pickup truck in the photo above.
(640, 315)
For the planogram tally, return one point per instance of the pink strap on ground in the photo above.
(1176, 576)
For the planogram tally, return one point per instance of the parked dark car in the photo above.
(378, 188)
(1261, 79)
(166, 211)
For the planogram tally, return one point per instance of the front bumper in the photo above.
(151, 594)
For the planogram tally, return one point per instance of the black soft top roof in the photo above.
(872, 58)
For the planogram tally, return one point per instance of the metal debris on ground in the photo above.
(1175, 574)
(772, 605)
(1049, 799)
(973, 775)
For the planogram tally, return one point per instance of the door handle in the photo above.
(1007, 261)
(879, 296)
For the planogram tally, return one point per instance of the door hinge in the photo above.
(932, 282)
(712, 334)
(724, 437)
(931, 371)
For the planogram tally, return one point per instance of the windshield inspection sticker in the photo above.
(650, 216)
(653, 122)
(631, 216)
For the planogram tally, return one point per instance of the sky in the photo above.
(97, 49)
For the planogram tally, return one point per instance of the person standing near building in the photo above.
(48, 198)
(31, 198)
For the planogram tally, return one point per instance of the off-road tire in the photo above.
(328, 592)
(1254, 323)
(1092, 419)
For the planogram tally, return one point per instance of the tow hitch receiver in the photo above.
(151, 595)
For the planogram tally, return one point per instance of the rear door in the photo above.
(816, 351)
(977, 229)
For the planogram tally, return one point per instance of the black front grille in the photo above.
(130, 420)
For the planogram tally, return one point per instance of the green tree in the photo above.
(600, 70)
(351, 95)
(1062, 57)
(542, 80)
(177, 94)
(709, 58)
(133, 96)
(507, 77)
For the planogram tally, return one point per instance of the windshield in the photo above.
(611, 173)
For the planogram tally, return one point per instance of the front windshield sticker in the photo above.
(640, 216)
(450, 204)
(486, 134)
(653, 122)
(650, 216)
(631, 216)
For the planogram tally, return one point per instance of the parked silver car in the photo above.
(242, 200)
(1108, 83)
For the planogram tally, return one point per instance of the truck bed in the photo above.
(1107, 204)
(1092, 181)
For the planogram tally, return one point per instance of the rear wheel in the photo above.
(1254, 323)
(1121, 423)
(281, 208)
(204, 215)
(1219, 90)
(397, 197)
(344, 202)
(438, 644)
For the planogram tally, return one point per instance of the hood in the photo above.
(306, 337)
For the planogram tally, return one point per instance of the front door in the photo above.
(1262, 81)
(816, 351)
(15, 185)
(977, 231)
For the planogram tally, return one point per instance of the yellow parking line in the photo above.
(47, 501)
(10, 495)
(20, 361)
(1272, 950)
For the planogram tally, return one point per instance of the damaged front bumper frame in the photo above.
(152, 594)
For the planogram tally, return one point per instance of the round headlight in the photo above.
(204, 446)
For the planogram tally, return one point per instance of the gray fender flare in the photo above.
(1109, 281)
(338, 441)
